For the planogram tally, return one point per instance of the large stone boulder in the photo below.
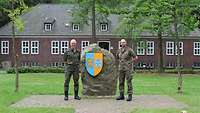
(104, 84)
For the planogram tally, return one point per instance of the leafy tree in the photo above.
(184, 22)
(196, 13)
(160, 21)
(132, 17)
(6, 4)
(148, 16)
(4, 18)
(174, 18)
(92, 10)
(18, 8)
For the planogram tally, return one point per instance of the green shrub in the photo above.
(173, 71)
(36, 70)
(61, 70)
(184, 71)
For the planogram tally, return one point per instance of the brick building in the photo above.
(49, 28)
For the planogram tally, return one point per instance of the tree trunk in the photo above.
(160, 60)
(15, 56)
(93, 22)
(132, 42)
(178, 60)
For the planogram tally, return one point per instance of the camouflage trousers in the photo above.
(125, 75)
(68, 75)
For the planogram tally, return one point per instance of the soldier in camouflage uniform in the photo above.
(72, 61)
(125, 56)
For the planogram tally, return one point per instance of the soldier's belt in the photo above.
(72, 63)
(69, 63)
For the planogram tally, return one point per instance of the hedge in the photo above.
(36, 70)
(61, 70)
(172, 71)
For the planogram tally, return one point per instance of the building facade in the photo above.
(49, 29)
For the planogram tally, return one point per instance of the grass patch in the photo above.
(52, 84)
(155, 111)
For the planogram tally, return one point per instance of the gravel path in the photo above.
(100, 105)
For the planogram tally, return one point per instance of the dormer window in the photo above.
(49, 23)
(104, 26)
(48, 27)
(75, 27)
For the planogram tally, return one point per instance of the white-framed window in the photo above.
(62, 64)
(170, 65)
(54, 47)
(196, 64)
(75, 27)
(64, 46)
(34, 47)
(55, 64)
(104, 26)
(150, 48)
(141, 48)
(142, 65)
(196, 48)
(25, 64)
(5, 47)
(84, 44)
(47, 27)
(119, 45)
(25, 47)
(181, 48)
(34, 64)
(169, 48)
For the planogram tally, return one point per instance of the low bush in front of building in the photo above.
(183, 71)
(61, 70)
(172, 71)
(37, 70)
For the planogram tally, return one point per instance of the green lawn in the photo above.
(51, 83)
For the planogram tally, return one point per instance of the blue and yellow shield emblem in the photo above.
(94, 63)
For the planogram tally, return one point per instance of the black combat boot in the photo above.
(120, 97)
(76, 96)
(66, 95)
(129, 97)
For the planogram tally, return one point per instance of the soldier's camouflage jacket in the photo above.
(72, 59)
(124, 56)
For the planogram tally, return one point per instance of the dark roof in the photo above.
(60, 14)
(49, 20)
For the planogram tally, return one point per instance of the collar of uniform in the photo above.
(124, 48)
(71, 49)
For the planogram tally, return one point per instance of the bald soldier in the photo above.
(125, 56)
(72, 61)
